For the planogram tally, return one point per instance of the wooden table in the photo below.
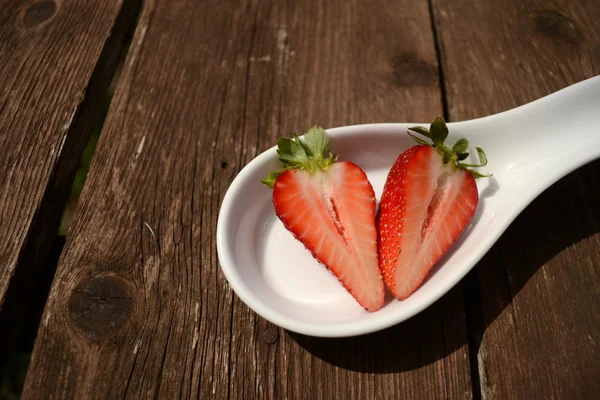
(139, 307)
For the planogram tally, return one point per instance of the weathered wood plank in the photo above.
(57, 62)
(139, 306)
(533, 296)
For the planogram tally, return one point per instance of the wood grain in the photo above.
(532, 298)
(57, 61)
(139, 306)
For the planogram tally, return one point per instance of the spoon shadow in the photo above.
(406, 346)
(461, 317)
(565, 214)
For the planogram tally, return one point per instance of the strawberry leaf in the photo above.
(460, 146)
(325, 163)
(270, 180)
(482, 157)
(292, 153)
(439, 132)
(478, 175)
(420, 130)
(317, 142)
(311, 154)
(418, 140)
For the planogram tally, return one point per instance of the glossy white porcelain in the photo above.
(529, 148)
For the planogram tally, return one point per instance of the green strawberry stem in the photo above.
(437, 133)
(311, 154)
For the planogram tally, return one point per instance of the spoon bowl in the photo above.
(528, 148)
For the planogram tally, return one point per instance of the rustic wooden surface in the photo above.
(139, 306)
(532, 301)
(49, 97)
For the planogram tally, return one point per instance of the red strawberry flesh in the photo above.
(425, 206)
(332, 213)
(330, 208)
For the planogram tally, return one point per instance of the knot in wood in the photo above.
(553, 25)
(409, 71)
(38, 13)
(99, 307)
(270, 335)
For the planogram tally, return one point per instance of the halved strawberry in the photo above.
(329, 206)
(428, 199)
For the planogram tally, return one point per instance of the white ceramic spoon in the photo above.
(529, 148)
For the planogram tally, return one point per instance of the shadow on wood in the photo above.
(403, 347)
(541, 239)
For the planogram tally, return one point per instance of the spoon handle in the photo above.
(543, 140)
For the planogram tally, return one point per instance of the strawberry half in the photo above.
(428, 199)
(329, 206)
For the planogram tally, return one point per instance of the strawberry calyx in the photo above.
(311, 154)
(437, 133)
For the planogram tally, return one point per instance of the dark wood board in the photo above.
(139, 306)
(532, 301)
(57, 62)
